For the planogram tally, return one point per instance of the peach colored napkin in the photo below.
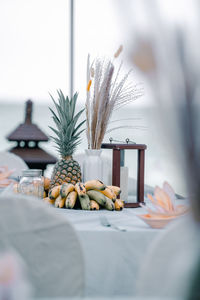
(4, 176)
(163, 203)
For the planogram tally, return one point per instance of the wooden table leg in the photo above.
(140, 176)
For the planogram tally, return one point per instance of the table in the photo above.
(116, 298)
(112, 258)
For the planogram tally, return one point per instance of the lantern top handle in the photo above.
(121, 146)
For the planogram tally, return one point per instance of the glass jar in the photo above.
(31, 183)
(92, 165)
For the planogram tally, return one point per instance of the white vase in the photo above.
(92, 165)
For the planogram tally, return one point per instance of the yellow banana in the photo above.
(115, 189)
(66, 188)
(46, 183)
(97, 196)
(62, 201)
(119, 204)
(71, 199)
(80, 189)
(56, 203)
(94, 205)
(109, 193)
(59, 202)
(94, 185)
(49, 201)
(54, 192)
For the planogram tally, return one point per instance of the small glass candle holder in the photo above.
(31, 183)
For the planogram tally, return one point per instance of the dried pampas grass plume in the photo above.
(92, 72)
(105, 93)
(118, 52)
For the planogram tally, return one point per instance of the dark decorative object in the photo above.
(118, 150)
(28, 136)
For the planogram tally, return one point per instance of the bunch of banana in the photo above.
(107, 197)
(82, 196)
(46, 182)
(62, 196)
(92, 195)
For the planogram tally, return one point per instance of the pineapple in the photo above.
(67, 138)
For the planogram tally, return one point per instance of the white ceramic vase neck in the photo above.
(92, 165)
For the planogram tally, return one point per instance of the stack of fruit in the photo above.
(89, 196)
(66, 189)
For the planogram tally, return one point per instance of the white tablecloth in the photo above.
(106, 298)
(112, 258)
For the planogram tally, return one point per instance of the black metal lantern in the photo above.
(118, 156)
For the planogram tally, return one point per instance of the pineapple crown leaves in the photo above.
(67, 131)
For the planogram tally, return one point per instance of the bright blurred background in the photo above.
(35, 61)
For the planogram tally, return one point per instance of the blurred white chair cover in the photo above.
(12, 161)
(169, 264)
(13, 280)
(47, 243)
